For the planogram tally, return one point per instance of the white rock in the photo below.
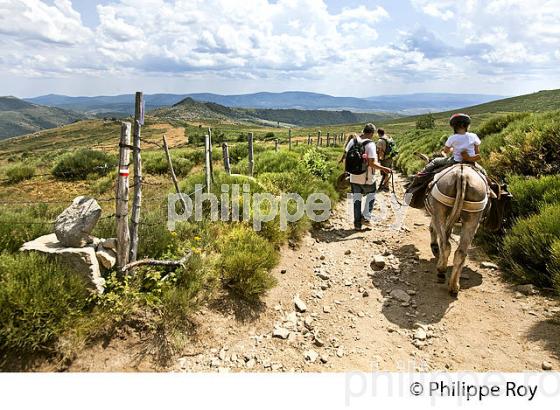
(378, 262)
(488, 265)
(107, 257)
(546, 366)
(420, 334)
(280, 332)
(74, 225)
(323, 275)
(83, 260)
(311, 356)
(300, 304)
(250, 363)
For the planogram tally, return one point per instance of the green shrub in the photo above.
(530, 194)
(39, 301)
(20, 172)
(527, 146)
(496, 124)
(155, 163)
(246, 259)
(79, 164)
(316, 163)
(426, 122)
(528, 247)
(429, 142)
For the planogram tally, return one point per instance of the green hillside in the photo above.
(18, 117)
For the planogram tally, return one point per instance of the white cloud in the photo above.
(35, 20)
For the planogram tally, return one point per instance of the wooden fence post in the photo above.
(328, 139)
(225, 153)
(308, 139)
(289, 139)
(207, 164)
(121, 211)
(318, 138)
(172, 172)
(211, 156)
(251, 153)
(137, 202)
(276, 145)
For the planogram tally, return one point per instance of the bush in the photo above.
(39, 301)
(79, 164)
(527, 146)
(426, 122)
(429, 142)
(155, 163)
(530, 249)
(496, 124)
(316, 163)
(530, 194)
(18, 173)
(245, 262)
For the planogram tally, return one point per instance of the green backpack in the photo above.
(391, 150)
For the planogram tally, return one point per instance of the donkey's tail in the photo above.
(459, 201)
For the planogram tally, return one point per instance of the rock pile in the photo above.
(72, 240)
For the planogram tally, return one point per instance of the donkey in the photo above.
(458, 191)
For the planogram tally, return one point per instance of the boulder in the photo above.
(74, 225)
(82, 260)
(400, 295)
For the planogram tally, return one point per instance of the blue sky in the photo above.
(352, 48)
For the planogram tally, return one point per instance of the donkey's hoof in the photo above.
(441, 277)
(454, 291)
(435, 249)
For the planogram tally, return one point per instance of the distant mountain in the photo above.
(18, 117)
(188, 110)
(402, 104)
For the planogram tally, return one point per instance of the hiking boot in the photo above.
(365, 221)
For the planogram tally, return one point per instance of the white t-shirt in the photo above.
(367, 177)
(462, 142)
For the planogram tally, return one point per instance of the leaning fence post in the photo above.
(276, 145)
(137, 203)
(251, 153)
(289, 139)
(172, 172)
(207, 163)
(225, 152)
(121, 211)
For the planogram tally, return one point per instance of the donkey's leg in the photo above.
(433, 239)
(438, 219)
(470, 225)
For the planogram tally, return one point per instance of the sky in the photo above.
(343, 48)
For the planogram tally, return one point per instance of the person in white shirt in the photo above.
(463, 145)
(364, 184)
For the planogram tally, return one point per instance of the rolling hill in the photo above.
(403, 104)
(18, 117)
(191, 110)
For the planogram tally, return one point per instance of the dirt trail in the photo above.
(351, 320)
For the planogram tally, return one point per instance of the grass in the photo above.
(19, 172)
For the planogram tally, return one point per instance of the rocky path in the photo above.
(369, 301)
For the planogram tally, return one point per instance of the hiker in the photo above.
(360, 161)
(386, 151)
(464, 147)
